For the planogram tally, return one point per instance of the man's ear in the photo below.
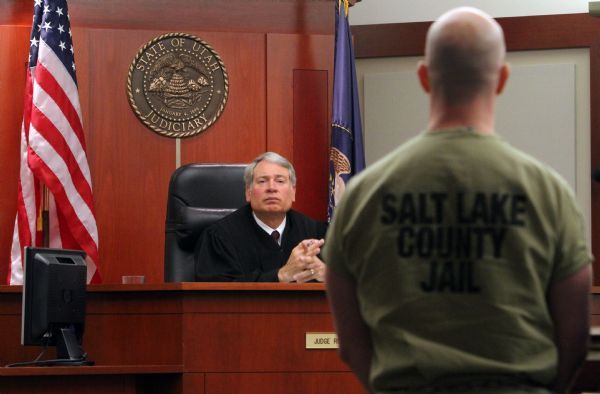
(423, 74)
(247, 194)
(502, 78)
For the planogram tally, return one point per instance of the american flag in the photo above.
(53, 150)
(346, 152)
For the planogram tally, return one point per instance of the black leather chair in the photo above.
(199, 195)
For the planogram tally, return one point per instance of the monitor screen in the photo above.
(54, 298)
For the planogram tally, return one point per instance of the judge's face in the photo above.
(271, 190)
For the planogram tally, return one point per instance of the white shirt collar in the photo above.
(268, 229)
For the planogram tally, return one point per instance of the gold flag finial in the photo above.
(346, 5)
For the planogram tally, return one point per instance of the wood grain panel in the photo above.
(261, 302)
(130, 164)
(133, 339)
(221, 352)
(194, 383)
(522, 33)
(393, 39)
(311, 141)
(314, 16)
(149, 379)
(286, 53)
(125, 302)
(116, 384)
(257, 342)
(12, 351)
(109, 340)
(14, 45)
(288, 383)
(239, 135)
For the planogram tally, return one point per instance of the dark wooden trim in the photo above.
(522, 33)
(94, 370)
(385, 40)
(196, 286)
(266, 16)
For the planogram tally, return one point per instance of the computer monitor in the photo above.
(54, 298)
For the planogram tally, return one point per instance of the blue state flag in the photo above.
(346, 152)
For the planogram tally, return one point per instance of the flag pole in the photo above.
(45, 216)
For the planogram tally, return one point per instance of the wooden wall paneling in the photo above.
(12, 351)
(286, 53)
(311, 141)
(237, 342)
(239, 134)
(226, 331)
(142, 328)
(289, 383)
(133, 339)
(392, 39)
(194, 383)
(522, 33)
(122, 328)
(130, 164)
(14, 44)
(309, 301)
(314, 16)
(90, 384)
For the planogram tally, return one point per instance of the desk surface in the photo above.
(194, 286)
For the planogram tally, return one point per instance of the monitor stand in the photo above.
(68, 351)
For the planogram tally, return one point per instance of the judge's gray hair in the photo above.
(271, 157)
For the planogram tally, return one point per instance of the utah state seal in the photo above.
(177, 85)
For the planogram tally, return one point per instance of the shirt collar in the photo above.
(268, 229)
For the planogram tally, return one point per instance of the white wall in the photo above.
(545, 110)
(369, 12)
(414, 103)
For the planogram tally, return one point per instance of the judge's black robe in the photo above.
(236, 249)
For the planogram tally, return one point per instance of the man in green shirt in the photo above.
(458, 263)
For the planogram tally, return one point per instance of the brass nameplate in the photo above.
(321, 340)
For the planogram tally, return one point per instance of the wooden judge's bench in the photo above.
(198, 338)
(186, 338)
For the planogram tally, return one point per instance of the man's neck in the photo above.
(478, 115)
(272, 220)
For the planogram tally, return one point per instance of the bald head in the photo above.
(464, 51)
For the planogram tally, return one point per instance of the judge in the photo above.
(265, 240)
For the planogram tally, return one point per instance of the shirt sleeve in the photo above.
(572, 251)
(333, 251)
